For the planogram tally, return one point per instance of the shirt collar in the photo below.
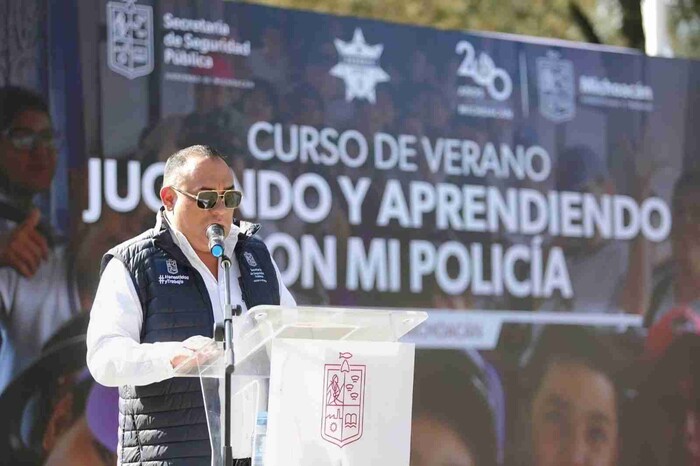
(185, 246)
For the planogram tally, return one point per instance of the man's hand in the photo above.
(190, 348)
(25, 248)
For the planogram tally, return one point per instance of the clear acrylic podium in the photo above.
(254, 333)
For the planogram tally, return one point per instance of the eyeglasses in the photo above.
(26, 139)
(208, 199)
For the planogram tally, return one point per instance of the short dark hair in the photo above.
(15, 100)
(578, 345)
(176, 161)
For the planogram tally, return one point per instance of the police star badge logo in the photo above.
(359, 67)
(556, 88)
(344, 400)
(130, 38)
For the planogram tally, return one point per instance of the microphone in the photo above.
(215, 234)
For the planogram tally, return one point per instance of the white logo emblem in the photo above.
(556, 88)
(250, 259)
(359, 67)
(130, 41)
(171, 266)
(484, 72)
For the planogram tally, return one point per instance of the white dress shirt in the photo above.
(32, 310)
(115, 354)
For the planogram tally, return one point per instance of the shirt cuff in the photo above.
(164, 353)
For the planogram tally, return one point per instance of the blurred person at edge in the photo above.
(37, 291)
(159, 296)
(80, 427)
(54, 414)
(667, 409)
(677, 282)
(92, 439)
(607, 276)
(572, 398)
(27, 165)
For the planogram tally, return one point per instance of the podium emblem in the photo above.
(130, 41)
(344, 400)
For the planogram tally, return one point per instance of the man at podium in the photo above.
(160, 295)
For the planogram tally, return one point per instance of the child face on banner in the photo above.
(574, 417)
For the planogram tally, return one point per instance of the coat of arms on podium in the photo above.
(344, 400)
(130, 38)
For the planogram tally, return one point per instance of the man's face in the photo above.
(29, 170)
(201, 173)
(574, 418)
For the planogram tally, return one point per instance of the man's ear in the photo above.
(168, 196)
(60, 421)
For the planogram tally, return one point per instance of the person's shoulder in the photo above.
(133, 244)
(128, 251)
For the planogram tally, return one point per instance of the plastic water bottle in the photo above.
(259, 439)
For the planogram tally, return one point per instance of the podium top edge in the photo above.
(345, 309)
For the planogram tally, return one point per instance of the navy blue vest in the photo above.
(165, 423)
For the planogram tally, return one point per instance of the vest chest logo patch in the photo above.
(250, 259)
(171, 266)
(255, 272)
(169, 273)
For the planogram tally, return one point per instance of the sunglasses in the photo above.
(25, 139)
(208, 199)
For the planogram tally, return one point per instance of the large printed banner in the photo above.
(402, 166)
(538, 197)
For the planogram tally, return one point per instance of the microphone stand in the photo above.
(229, 360)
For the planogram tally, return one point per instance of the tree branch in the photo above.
(632, 28)
(584, 24)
